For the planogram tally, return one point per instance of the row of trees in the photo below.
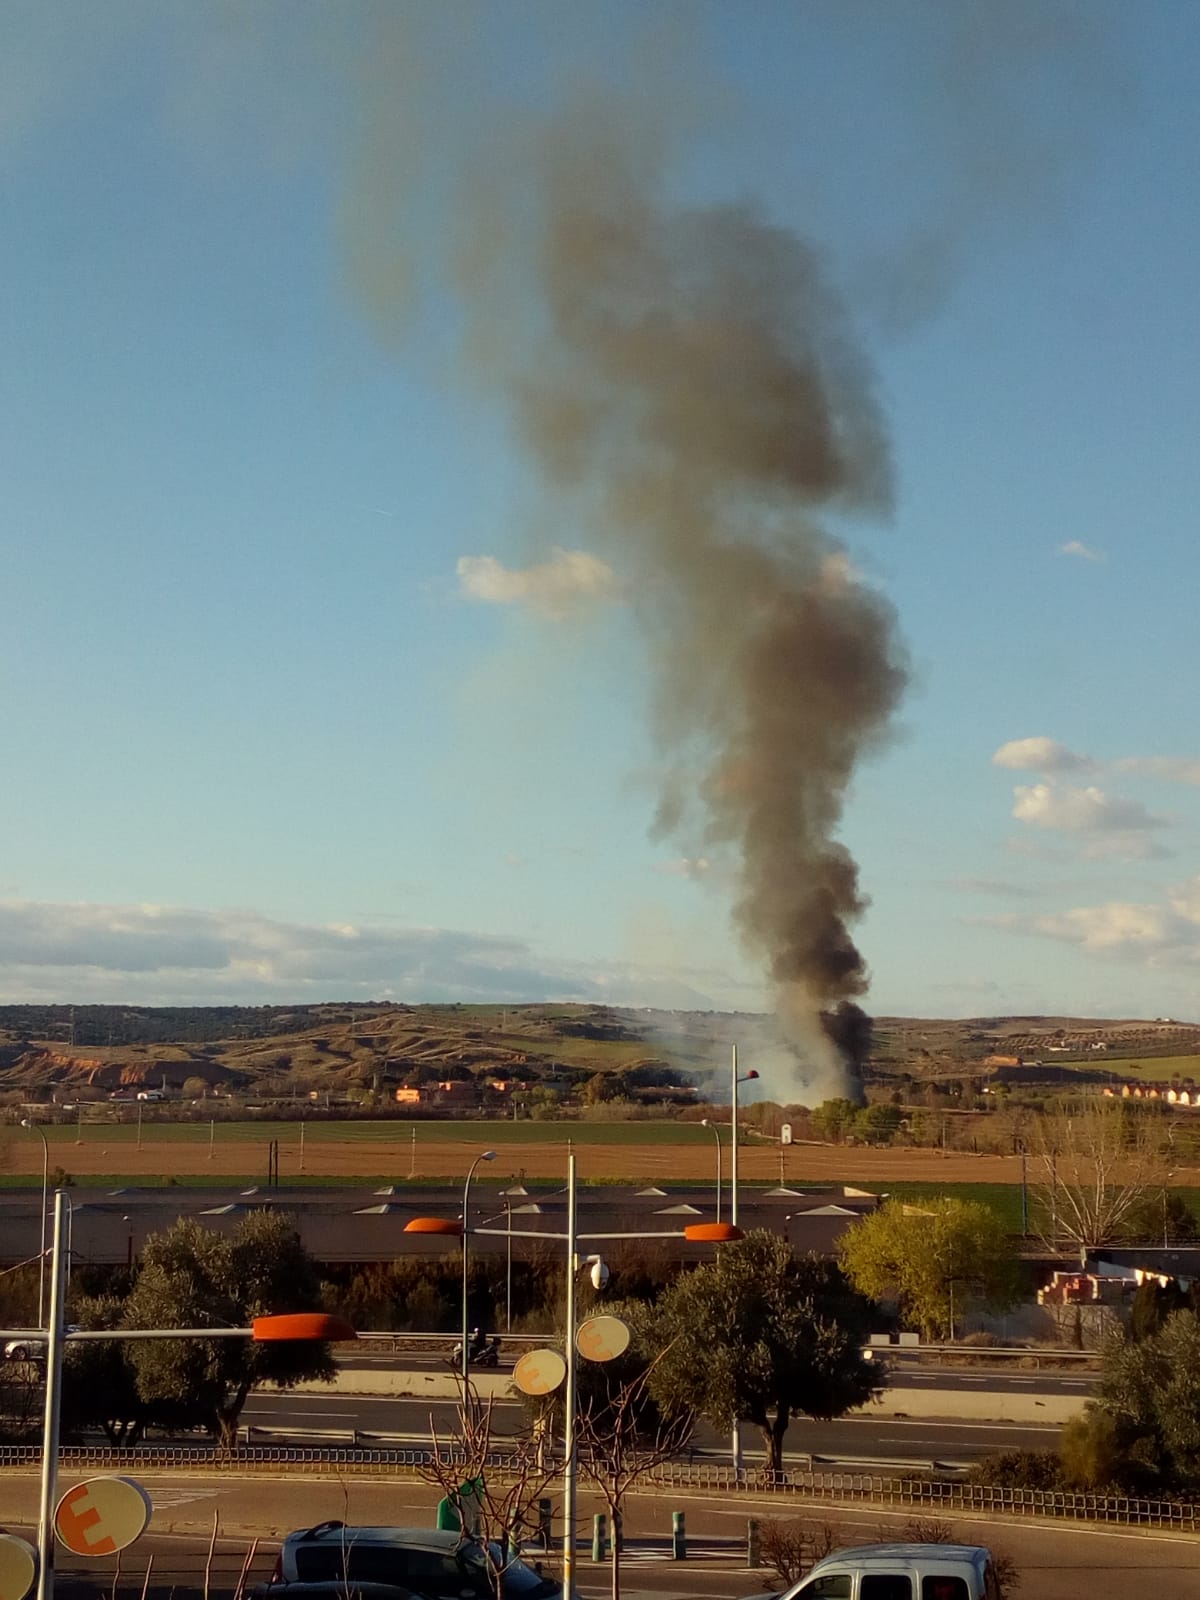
(190, 1277)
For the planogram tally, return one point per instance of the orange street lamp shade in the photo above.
(711, 1232)
(452, 1230)
(312, 1325)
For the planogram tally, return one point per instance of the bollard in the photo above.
(753, 1553)
(599, 1537)
(545, 1531)
(678, 1536)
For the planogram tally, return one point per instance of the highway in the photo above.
(901, 1374)
(884, 1438)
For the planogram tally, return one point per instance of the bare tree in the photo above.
(501, 1487)
(1095, 1160)
(621, 1438)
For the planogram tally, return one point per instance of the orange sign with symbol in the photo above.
(101, 1516)
(602, 1338)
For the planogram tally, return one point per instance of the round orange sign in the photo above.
(101, 1516)
(539, 1372)
(602, 1338)
(18, 1567)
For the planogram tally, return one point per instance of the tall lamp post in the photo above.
(734, 1081)
(484, 1155)
(735, 1442)
(716, 1133)
(27, 1122)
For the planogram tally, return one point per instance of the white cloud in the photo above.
(1072, 810)
(1122, 927)
(1152, 934)
(1081, 551)
(1039, 755)
(563, 586)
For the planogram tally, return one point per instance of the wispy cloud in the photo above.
(1175, 769)
(171, 955)
(571, 581)
(685, 867)
(993, 886)
(1081, 551)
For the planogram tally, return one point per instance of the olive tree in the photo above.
(193, 1278)
(761, 1336)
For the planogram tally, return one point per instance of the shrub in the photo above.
(1018, 1469)
(1090, 1451)
(790, 1548)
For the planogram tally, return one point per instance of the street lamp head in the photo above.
(712, 1232)
(487, 1155)
(27, 1122)
(317, 1326)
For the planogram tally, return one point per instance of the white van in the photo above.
(901, 1572)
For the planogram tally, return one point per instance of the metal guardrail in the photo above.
(876, 1488)
(934, 1494)
(983, 1355)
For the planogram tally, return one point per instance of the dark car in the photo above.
(425, 1562)
(277, 1589)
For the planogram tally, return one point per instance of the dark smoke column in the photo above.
(688, 378)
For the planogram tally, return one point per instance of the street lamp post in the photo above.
(716, 1133)
(484, 1155)
(570, 1399)
(735, 1442)
(27, 1122)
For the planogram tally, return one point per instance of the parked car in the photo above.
(899, 1572)
(428, 1562)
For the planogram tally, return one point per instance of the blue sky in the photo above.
(298, 701)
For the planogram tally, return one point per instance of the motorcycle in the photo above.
(481, 1352)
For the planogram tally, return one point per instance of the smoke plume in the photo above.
(686, 382)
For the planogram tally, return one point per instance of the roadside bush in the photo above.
(919, 1530)
(789, 1548)
(1018, 1469)
(1090, 1452)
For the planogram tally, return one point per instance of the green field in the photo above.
(1158, 1069)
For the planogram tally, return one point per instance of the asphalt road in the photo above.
(998, 1379)
(883, 1438)
(1055, 1562)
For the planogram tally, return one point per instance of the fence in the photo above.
(928, 1494)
